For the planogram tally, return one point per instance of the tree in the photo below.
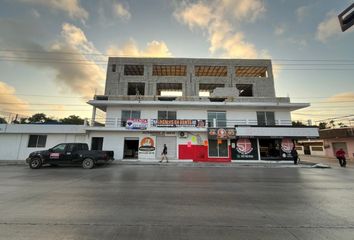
(2, 120)
(297, 124)
(332, 123)
(38, 118)
(342, 125)
(322, 125)
(73, 119)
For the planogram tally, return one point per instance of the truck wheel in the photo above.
(88, 163)
(35, 163)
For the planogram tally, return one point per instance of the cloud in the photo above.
(302, 12)
(35, 13)
(71, 57)
(328, 28)
(215, 17)
(7, 95)
(342, 97)
(279, 30)
(71, 7)
(121, 11)
(131, 49)
(248, 10)
(195, 15)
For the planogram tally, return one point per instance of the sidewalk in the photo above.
(332, 162)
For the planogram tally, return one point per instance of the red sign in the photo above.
(221, 133)
(244, 146)
(54, 155)
(287, 145)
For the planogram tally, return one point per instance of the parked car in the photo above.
(69, 153)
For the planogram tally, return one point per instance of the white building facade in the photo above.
(217, 110)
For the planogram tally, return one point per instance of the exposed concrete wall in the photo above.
(117, 82)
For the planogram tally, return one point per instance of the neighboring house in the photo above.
(202, 109)
(329, 142)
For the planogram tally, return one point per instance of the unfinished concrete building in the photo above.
(202, 109)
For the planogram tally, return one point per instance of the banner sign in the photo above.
(287, 145)
(178, 123)
(147, 147)
(137, 124)
(244, 149)
(221, 133)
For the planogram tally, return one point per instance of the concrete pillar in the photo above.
(93, 118)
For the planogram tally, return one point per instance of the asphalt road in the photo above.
(176, 202)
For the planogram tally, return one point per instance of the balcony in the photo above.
(173, 125)
(192, 98)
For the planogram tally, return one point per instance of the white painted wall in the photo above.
(199, 112)
(317, 153)
(14, 146)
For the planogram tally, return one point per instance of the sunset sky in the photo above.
(53, 53)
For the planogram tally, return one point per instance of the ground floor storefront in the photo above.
(195, 146)
(199, 145)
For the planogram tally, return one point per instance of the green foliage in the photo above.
(297, 124)
(322, 125)
(3, 121)
(73, 119)
(42, 118)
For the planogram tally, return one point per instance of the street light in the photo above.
(346, 18)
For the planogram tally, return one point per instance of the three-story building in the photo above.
(202, 109)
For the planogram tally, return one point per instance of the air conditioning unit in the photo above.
(182, 134)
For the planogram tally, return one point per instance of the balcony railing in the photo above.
(190, 98)
(229, 123)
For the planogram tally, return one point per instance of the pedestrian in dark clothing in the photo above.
(164, 153)
(295, 155)
(340, 155)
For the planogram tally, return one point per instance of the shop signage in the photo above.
(245, 149)
(287, 145)
(221, 133)
(178, 123)
(147, 147)
(136, 124)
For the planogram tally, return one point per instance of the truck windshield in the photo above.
(59, 148)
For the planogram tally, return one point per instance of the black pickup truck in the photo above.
(69, 153)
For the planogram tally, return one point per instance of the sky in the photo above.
(53, 53)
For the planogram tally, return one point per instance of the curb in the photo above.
(12, 162)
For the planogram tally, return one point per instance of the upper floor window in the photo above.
(217, 119)
(114, 67)
(136, 88)
(167, 115)
(251, 71)
(205, 89)
(265, 118)
(37, 141)
(169, 70)
(134, 70)
(169, 89)
(129, 114)
(210, 71)
(245, 90)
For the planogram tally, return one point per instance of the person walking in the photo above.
(295, 155)
(340, 155)
(164, 154)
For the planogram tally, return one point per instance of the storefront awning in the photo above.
(278, 131)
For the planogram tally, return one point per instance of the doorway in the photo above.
(131, 148)
(270, 149)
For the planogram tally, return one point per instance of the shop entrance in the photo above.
(131, 148)
(270, 149)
